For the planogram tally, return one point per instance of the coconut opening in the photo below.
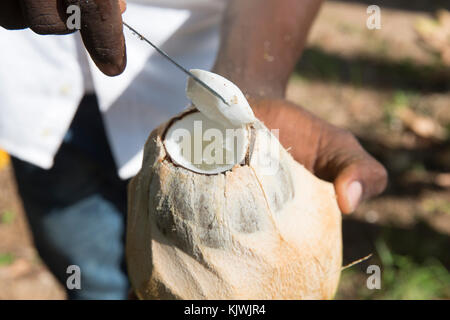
(202, 145)
(215, 139)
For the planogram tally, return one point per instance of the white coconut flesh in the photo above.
(236, 114)
(216, 138)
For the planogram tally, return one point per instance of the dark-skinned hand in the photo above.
(331, 153)
(101, 26)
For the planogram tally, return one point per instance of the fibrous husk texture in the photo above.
(241, 234)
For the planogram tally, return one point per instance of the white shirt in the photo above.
(43, 78)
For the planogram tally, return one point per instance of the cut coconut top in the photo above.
(199, 144)
(215, 139)
(236, 114)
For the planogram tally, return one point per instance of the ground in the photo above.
(392, 90)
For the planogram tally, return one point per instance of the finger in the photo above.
(45, 16)
(355, 173)
(102, 33)
(358, 181)
(11, 16)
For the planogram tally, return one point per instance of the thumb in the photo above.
(358, 181)
(355, 173)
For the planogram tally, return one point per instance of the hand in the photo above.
(101, 26)
(330, 153)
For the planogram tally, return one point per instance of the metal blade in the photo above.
(165, 55)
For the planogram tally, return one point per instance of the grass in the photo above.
(402, 277)
(6, 259)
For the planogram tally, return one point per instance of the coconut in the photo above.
(251, 225)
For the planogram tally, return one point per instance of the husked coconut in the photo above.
(251, 225)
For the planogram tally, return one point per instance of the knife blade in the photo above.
(180, 67)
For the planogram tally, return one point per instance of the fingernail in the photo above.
(354, 192)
